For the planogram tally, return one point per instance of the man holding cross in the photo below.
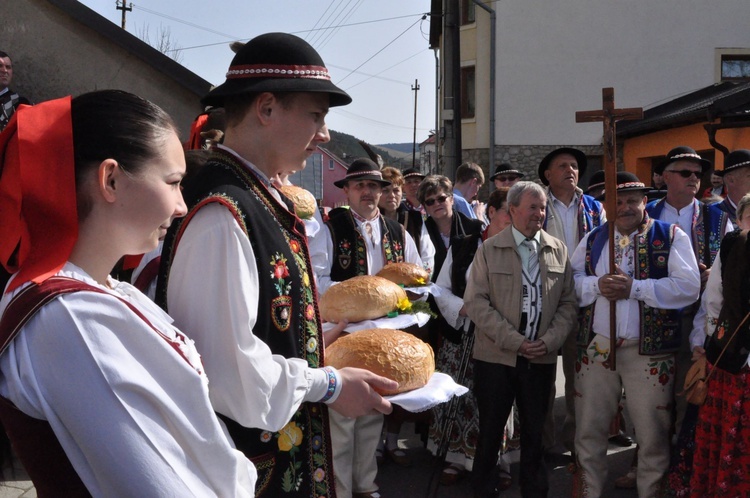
(656, 275)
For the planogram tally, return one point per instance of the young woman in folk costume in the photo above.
(101, 395)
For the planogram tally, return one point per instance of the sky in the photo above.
(374, 50)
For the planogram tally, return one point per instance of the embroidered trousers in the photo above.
(648, 383)
(354, 442)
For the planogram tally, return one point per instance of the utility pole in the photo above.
(124, 8)
(415, 87)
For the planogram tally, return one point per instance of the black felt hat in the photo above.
(413, 173)
(578, 154)
(277, 62)
(362, 169)
(628, 182)
(596, 181)
(683, 153)
(506, 169)
(737, 159)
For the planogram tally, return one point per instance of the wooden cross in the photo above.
(608, 115)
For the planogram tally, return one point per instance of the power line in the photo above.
(339, 110)
(305, 30)
(376, 53)
(321, 16)
(325, 24)
(370, 76)
(187, 23)
(336, 29)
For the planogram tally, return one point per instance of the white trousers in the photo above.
(354, 442)
(648, 384)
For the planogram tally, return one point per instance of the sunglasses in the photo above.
(440, 200)
(505, 178)
(685, 173)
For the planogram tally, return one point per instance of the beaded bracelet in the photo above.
(333, 381)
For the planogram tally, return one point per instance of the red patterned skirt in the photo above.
(721, 465)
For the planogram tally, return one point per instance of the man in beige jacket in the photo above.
(521, 297)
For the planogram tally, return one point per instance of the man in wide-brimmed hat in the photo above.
(236, 272)
(506, 176)
(736, 175)
(656, 276)
(361, 230)
(571, 214)
(705, 226)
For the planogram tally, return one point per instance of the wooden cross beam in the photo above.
(608, 115)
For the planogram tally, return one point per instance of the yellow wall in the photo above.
(639, 151)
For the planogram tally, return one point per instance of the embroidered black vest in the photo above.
(735, 281)
(660, 328)
(465, 236)
(295, 461)
(349, 258)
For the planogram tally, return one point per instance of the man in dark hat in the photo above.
(236, 272)
(412, 179)
(9, 100)
(656, 276)
(351, 233)
(736, 175)
(506, 176)
(705, 226)
(571, 214)
(596, 185)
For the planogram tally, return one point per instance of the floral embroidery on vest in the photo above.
(281, 306)
(345, 253)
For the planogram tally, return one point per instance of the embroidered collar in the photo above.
(361, 219)
(248, 165)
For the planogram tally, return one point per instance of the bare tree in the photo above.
(164, 42)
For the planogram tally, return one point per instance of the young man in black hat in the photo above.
(656, 276)
(360, 241)
(412, 179)
(236, 272)
(736, 175)
(506, 176)
(705, 226)
(571, 214)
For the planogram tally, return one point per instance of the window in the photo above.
(311, 178)
(732, 64)
(331, 164)
(468, 93)
(735, 66)
(468, 12)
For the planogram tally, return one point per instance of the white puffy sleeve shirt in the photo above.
(679, 289)
(132, 414)
(213, 296)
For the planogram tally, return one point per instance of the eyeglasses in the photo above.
(440, 200)
(685, 173)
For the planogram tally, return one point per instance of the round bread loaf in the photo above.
(365, 297)
(304, 202)
(407, 274)
(391, 353)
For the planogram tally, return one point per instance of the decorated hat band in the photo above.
(685, 156)
(278, 71)
(366, 172)
(408, 175)
(630, 185)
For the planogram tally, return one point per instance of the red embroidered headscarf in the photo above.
(38, 216)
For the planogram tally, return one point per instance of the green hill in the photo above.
(347, 147)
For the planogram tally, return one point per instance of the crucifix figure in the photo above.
(608, 115)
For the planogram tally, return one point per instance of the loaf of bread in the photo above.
(391, 353)
(304, 202)
(407, 274)
(365, 297)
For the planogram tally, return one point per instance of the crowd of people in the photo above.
(207, 376)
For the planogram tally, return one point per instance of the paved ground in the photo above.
(412, 482)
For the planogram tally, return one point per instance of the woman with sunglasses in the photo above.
(100, 394)
(456, 238)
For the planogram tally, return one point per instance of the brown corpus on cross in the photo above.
(608, 115)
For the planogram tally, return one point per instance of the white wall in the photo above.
(555, 56)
